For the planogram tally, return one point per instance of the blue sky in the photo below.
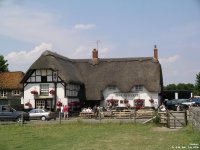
(124, 28)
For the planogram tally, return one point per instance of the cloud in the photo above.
(84, 26)
(170, 59)
(31, 26)
(23, 59)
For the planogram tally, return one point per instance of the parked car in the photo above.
(172, 104)
(196, 101)
(189, 102)
(41, 114)
(7, 113)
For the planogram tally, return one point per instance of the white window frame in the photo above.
(16, 92)
(139, 88)
(44, 89)
(3, 93)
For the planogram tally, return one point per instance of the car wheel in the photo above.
(43, 118)
(19, 119)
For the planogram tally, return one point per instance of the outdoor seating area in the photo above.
(118, 114)
(86, 115)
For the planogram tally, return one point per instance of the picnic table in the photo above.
(86, 114)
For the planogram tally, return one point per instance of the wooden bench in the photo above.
(86, 115)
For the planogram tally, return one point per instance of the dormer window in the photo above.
(3, 93)
(112, 87)
(16, 92)
(139, 88)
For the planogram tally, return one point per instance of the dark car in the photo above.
(172, 104)
(196, 101)
(41, 114)
(7, 113)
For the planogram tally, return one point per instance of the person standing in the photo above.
(66, 112)
(61, 111)
(95, 111)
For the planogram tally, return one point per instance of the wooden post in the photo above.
(22, 119)
(99, 114)
(59, 117)
(135, 114)
(168, 119)
(185, 117)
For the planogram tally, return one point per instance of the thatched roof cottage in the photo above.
(93, 81)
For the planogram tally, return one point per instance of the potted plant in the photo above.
(52, 92)
(151, 100)
(34, 92)
(126, 101)
(28, 104)
(59, 103)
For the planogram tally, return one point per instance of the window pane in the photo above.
(44, 89)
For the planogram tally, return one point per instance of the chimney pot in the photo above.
(94, 54)
(155, 52)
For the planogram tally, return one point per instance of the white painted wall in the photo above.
(116, 94)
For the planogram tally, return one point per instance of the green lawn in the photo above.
(90, 136)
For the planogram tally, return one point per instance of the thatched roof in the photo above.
(97, 74)
(11, 80)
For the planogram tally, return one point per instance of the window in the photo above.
(44, 89)
(43, 79)
(72, 89)
(40, 104)
(139, 88)
(3, 93)
(112, 88)
(16, 92)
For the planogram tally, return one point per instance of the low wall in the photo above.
(195, 117)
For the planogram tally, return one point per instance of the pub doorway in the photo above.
(44, 104)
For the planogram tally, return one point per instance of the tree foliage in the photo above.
(197, 85)
(180, 86)
(3, 64)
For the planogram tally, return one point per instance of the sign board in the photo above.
(55, 76)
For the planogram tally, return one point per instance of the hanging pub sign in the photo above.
(55, 76)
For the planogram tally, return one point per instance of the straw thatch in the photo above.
(97, 74)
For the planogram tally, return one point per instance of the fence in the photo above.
(174, 119)
(195, 117)
(123, 114)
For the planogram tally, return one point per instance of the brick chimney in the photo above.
(155, 53)
(94, 54)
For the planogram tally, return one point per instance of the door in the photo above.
(39, 104)
(43, 104)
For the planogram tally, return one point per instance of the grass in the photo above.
(85, 136)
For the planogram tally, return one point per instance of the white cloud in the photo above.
(23, 59)
(31, 26)
(170, 59)
(84, 26)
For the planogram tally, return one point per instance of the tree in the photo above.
(180, 86)
(170, 87)
(3, 64)
(197, 85)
